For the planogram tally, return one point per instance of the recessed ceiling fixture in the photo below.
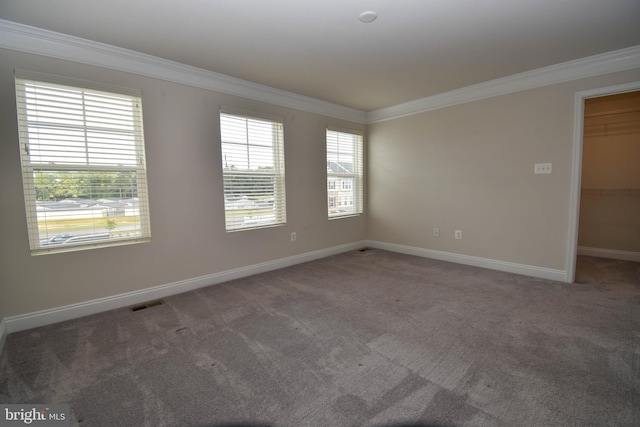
(368, 16)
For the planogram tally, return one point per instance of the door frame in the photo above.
(576, 166)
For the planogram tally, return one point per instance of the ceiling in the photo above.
(414, 49)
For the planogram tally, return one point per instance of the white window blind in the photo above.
(253, 170)
(344, 173)
(83, 164)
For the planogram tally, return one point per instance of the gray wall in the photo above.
(186, 198)
(470, 167)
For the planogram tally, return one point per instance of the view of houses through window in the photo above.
(344, 173)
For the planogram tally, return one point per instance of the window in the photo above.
(253, 170)
(83, 164)
(344, 167)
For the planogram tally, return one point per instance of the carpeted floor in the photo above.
(365, 338)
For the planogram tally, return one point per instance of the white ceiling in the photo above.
(415, 49)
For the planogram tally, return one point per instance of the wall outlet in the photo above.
(542, 168)
(436, 232)
(293, 236)
(458, 234)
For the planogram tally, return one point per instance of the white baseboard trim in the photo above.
(509, 267)
(3, 334)
(54, 315)
(609, 253)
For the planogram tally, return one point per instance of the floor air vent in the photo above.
(146, 305)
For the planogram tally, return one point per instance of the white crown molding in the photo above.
(23, 38)
(38, 41)
(611, 62)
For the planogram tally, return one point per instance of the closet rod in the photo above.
(600, 115)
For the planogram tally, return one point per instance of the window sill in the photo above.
(76, 248)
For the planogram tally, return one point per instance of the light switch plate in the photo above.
(542, 168)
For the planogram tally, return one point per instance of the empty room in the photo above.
(320, 213)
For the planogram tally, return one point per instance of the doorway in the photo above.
(605, 202)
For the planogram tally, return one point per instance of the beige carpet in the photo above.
(365, 338)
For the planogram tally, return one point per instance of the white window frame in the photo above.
(345, 165)
(35, 119)
(249, 209)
